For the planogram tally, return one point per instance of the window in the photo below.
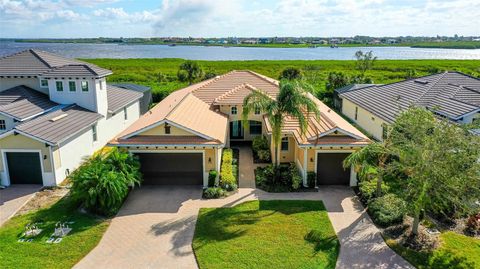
(59, 85)
(72, 86)
(255, 127)
(384, 131)
(285, 144)
(234, 110)
(257, 111)
(94, 133)
(356, 113)
(167, 128)
(44, 83)
(84, 86)
(3, 125)
(125, 115)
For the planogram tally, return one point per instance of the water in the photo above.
(234, 53)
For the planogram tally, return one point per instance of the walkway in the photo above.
(246, 170)
(13, 198)
(154, 229)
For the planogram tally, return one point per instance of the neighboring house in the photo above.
(452, 95)
(337, 100)
(181, 139)
(54, 112)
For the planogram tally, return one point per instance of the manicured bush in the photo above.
(387, 210)
(259, 143)
(102, 182)
(295, 177)
(213, 193)
(227, 178)
(311, 179)
(212, 176)
(264, 155)
(368, 189)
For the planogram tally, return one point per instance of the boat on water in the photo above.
(172, 45)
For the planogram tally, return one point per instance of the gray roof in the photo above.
(451, 94)
(130, 86)
(22, 102)
(53, 131)
(118, 98)
(352, 87)
(36, 62)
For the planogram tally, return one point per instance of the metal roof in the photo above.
(451, 94)
(36, 62)
(22, 102)
(118, 98)
(352, 87)
(131, 86)
(60, 124)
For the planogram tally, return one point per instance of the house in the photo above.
(181, 139)
(337, 100)
(452, 95)
(54, 112)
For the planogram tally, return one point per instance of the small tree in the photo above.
(336, 80)
(365, 60)
(291, 73)
(410, 73)
(189, 71)
(440, 163)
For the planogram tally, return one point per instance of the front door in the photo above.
(236, 130)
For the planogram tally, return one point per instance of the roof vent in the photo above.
(59, 117)
(421, 81)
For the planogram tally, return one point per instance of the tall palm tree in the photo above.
(292, 100)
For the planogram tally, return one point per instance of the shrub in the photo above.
(102, 182)
(291, 73)
(295, 177)
(212, 176)
(368, 189)
(472, 227)
(259, 143)
(311, 179)
(213, 193)
(264, 155)
(209, 75)
(227, 178)
(387, 210)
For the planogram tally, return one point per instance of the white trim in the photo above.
(7, 133)
(169, 122)
(166, 145)
(163, 151)
(5, 162)
(305, 164)
(330, 151)
(337, 129)
(330, 145)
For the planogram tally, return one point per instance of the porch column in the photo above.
(305, 183)
(353, 177)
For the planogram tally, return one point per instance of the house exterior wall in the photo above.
(226, 109)
(9, 123)
(471, 118)
(160, 130)
(288, 156)
(366, 120)
(23, 143)
(34, 83)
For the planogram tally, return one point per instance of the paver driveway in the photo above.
(154, 229)
(13, 198)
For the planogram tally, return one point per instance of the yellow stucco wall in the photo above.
(160, 130)
(209, 153)
(369, 122)
(288, 156)
(226, 109)
(23, 142)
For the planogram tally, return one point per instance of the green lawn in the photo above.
(456, 251)
(87, 232)
(266, 234)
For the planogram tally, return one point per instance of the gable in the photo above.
(160, 130)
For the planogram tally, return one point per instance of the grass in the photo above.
(160, 74)
(456, 251)
(87, 232)
(266, 234)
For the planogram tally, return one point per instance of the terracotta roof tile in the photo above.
(163, 140)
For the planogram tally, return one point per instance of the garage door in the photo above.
(24, 167)
(330, 169)
(171, 168)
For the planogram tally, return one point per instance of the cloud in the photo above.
(120, 15)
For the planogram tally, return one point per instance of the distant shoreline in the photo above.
(435, 45)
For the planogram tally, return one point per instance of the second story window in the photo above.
(257, 111)
(3, 125)
(234, 110)
(284, 145)
(167, 128)
(84, 86)
(59, 86)
(125, 115)
(94, 133)
(356, 113)
(44, 83)
(72, 86)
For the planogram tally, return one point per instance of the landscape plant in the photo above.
(102, 182)
(212, 177)
(291, 73)
(365, 61)
(261, 149)
(214, 193)
(189, 71)
(387, 210)
(227, 178)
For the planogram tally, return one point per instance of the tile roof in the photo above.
(118, 98)
(352, 87)
(318, 129)
(451, 94)
(163, 140)
(22, 102)
(235, 96)
(36, 62)
(59, 125)
(131, 86)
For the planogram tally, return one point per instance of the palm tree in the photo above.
(190, 70)
(292, 100)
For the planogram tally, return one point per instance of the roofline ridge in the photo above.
(176, 105)
(32, 51)
(231, 91)
(441, 75)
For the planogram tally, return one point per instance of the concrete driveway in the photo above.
(154, 229)
(13, 198)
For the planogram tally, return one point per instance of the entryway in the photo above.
(24, 167)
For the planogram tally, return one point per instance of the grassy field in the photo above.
(87, 232)
(455, 252)
(160, 74)
(266, 234)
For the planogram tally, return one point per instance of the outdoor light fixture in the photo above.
(209, 160)
(311, 160)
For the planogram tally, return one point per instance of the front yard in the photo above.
(266, 234)
(87, 230)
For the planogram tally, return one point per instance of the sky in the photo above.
(240, 18)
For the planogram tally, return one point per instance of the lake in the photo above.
(234, 53)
